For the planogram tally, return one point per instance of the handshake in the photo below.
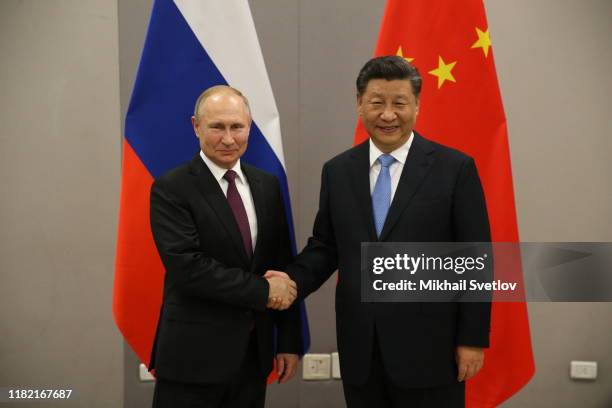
(283, 290)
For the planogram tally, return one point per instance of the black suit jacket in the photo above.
(214, 295)
(439, 198)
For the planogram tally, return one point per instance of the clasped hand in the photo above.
(283, 290)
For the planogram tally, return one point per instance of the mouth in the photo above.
(226, 152)
(387, 129)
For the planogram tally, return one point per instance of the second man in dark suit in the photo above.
(396, 187)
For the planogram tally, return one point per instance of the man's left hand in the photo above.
(286, 365)
(469, 361)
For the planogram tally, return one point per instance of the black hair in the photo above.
(389, 68)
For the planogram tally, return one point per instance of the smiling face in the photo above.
(222, 125)
(388, 110)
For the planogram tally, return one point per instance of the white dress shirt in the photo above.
(395, 170)
(242, 185)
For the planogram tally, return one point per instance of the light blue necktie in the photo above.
(381, 196)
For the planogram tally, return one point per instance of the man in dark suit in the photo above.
(218, 224)
(396, 187)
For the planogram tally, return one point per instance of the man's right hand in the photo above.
(283, 290)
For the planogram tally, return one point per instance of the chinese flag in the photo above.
(461, 107)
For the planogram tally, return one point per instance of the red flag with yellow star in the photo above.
(461, 107)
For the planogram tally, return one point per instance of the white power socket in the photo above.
(583, 370)
(335, 365)
(144, 374)
(316, 367)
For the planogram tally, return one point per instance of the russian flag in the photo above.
(190, 46)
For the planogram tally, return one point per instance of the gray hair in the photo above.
(217, 89)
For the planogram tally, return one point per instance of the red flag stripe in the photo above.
(134, 298)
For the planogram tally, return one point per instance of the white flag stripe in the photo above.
(227, 33)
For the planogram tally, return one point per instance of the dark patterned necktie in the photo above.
(235, 202)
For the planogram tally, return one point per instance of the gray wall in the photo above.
(60, 194)
(554, 61)
(59, 157)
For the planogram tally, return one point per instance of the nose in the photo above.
(388, 114)
(227, 138)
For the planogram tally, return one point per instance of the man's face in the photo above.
(223, 128)
(388, 110)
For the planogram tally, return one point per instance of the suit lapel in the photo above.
(259, 201)
(360, 180)
(418, 163)
(210, 189)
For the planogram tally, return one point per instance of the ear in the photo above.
(195, 126)
(417, 106)
(359, 104)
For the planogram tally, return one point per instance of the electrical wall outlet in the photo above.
(583, 370)
(144, 374)
(335, 357)
(316, 367)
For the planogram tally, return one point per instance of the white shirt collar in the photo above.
(218, 171)
(400, 154)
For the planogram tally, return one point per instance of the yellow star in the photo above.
(484, 41)
(400, 53)
(443, 72)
